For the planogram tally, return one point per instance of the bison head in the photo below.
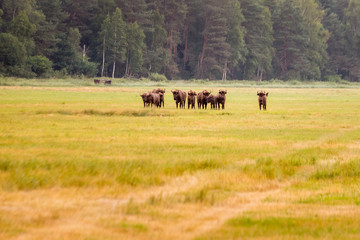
(192, 93)
(175, 93)
(210, 98)
(206, 93)
(222, 92)
(144, 96)
(262, 93)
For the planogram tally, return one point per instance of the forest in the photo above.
(181, 39)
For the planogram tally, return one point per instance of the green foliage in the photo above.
(236, 39)
(156, 77)
(40, 65)
(134, 52)
(12, 54)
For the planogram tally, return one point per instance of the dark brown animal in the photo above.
(107, 82)
(96, 81)
(179, 97)
(191, 99)
(221, 98)
(212, 100)
(262, 99)
(155, 99)
(159, 90)
(146, 99)
(201, 99)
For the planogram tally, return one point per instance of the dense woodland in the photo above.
(181, 39)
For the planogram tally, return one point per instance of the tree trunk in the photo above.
(186, 44)
(84, 53)
(127, 67)
(103, 59)
(115, 49)
(225, 70)
(202, 55)
(113, 71)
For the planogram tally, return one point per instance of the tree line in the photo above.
(181, 39)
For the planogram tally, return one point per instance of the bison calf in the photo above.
(262, 99)
(212, 100)
(221, 98)
(191, 99)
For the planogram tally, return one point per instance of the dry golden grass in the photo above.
(90, 163)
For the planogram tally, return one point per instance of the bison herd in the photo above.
(156, 98)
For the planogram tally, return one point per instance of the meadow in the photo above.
(89, 162)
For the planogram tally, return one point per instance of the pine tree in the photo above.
(113, 35)
(258, 38)
(235, 38)
(134, 52)
(50, 23)
(155, 42)
(215, 53)
(23, 29)
(174, 12)
(352, 18)
(290, 41)
(336, 46)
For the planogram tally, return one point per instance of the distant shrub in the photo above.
(40, 65)
(333, 78)
(143, 79)
(156, 77)
(295, 82)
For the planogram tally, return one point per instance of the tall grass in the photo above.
(102, 142)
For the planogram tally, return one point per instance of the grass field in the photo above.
(91, 163)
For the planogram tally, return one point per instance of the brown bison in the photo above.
(212, 100)
(159, 90)
(262, 99)
(191, 99)
(179, 97)
(146, 99)
(201, 99)
(96, 81)
(221, 98)
(155, 99)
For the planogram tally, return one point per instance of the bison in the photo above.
(212, 100)
(179, 97)
(191, 99)
(155, 99)
(262, 99)
(159, 90)
(146, 99)
(96, 81)
(221, 98)
(201, 98)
